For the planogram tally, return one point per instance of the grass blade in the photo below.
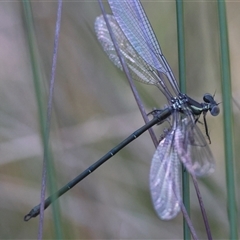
(228, 119)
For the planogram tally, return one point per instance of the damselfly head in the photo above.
(208, 98)
(214, 110)
(213, 106)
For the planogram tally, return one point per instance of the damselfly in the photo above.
(184, 141)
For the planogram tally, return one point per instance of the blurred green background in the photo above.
(93, 111)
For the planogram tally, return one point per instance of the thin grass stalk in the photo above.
(228, 120)
(47, 158)
(128, 75)
(204, 214)
(182, 85)
(39, 93)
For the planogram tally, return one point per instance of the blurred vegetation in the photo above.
(93, 111)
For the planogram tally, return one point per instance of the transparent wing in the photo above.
(139, 69)
(186, 143)
(165, 179)
(134, 23)
(193, 149)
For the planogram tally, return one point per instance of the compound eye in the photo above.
(208, 98)
(215, 110)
